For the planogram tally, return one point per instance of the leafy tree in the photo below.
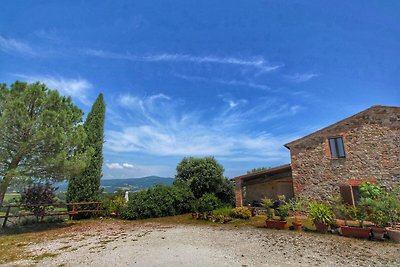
(86, 186)
(38, 197)
(41, 134)
(258, 169)
(204, 175)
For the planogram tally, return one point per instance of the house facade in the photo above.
(337, 158)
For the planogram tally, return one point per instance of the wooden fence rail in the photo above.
(71, 209)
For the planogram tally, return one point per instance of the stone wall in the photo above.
(372, 147)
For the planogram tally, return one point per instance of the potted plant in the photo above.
(321, 215)
(358, 213)
(393, 212)
(296, 206)
(379, 217)
(270, 222)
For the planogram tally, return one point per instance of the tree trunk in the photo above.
(3, 187)
(8, 176)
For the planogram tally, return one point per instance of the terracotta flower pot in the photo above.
(297, 226)
(274, 224)
(355, 232)
(321, 227)
(394, 234)
(378, 232)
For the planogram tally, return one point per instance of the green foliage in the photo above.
(320, 213)
(158, 201)
(205, 175)
(113, 203)
(369, 190)
(86, 185)
(240, 213)
(383, 208)
(37, 197)
(224, 211)
(41, 135)
(258, 169)
(208, 202)
(283, 211)
(267, 204)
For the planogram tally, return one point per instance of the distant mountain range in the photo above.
(129, 184)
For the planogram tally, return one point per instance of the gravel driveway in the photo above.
(151, 244)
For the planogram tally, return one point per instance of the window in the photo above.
(337, 148)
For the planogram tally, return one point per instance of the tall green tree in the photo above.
(204, 175)
(41, 135)
(86, 186)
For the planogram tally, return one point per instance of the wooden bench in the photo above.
(75, 211)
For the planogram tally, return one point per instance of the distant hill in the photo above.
(129, 184)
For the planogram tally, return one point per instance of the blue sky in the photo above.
(231, 79)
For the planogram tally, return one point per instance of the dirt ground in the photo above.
(154, 244)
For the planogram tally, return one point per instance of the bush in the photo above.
(158, 201)
(320, 213)
(283, 211)
(112, 203)
(225, 211)
(37, 198)
(267, 203)
(241, 213)
(208, 202)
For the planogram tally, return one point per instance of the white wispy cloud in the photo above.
(9, 45)
(168, 131)
(119, 166)
(225, 82)
(76, 88)
(301, 77)
(258, 63)
(114, 166)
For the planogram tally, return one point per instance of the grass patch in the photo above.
(10, 196)
(222, 211)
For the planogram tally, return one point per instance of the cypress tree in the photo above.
(86, 186)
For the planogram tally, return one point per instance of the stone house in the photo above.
(333, 160)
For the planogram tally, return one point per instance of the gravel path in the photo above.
(192, 245)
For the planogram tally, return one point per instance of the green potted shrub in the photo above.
(270, 213)
(358, 213)
(296, 205)
(321, 215)
(393, 212)
(379, 217)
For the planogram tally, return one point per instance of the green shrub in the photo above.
(224, 211)
(158, 201)
(320, 213)
(241, 213)
(267, 204)
(208, 202)
(283, 211)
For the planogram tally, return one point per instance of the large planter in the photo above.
(297, 226)
(274, 224)
(378, 232)
(394, 234)
(355, 232)
(321, 227)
